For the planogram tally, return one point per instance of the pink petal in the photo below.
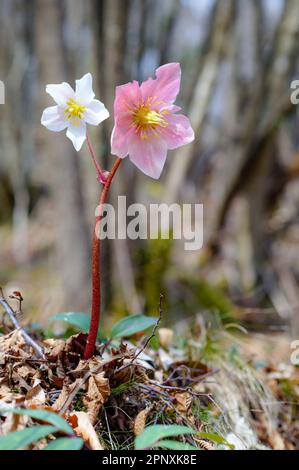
(166, 86)
(127, 97)
(120, 138)
(148, 155)
(178, 132)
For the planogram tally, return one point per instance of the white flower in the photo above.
(74, 110)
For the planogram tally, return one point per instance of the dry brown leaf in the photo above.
(205, 445)
(276, 441)
(86, 430)
(11, 342)
(36, 396)
(140, 421)
(25, 371)
(14, 422)
(63, 396)
(98, 391)
(183, 402)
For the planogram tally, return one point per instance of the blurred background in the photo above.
(238, 59)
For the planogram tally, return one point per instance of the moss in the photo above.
(154, 261)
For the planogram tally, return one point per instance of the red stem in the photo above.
(96, 270)
(94, 158)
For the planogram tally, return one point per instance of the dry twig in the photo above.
(38, 349)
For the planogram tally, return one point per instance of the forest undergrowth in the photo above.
(145, 387)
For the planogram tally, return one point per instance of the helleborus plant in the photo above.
(147, 125)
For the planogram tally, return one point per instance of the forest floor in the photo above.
(216, 381)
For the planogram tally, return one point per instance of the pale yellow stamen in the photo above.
(145, 118)
(74, 111)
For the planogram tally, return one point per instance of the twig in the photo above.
(180, 389)
(38, 349)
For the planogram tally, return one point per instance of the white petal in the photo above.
(95, 113)
(60, 93)
(53, 118)
(77, 134)
(84, 91)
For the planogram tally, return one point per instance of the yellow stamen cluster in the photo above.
(74, 111)
(145, 118)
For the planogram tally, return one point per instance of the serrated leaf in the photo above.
(65, 443)
(215, 438)
(20, 439)
(153, 434)
(128, 326)
(79, 320)
(47, 416)
(175, 445)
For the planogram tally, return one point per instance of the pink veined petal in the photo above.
(148, 155)
(178, 132)
(77, 134)
(166, 86)
(61, 93)
(95, 113)
(84, 91)
(127, 97)
(53, 118)
(120, 139)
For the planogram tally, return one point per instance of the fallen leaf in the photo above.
(36, 396)
(86, 430)
(64, 394)
(98, 391)
(140, 421)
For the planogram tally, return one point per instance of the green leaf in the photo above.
(65, 443)
(43, 415)
(153, 434)
(176, 445)
(130, 325)
(19, 439)
(79, 320)
(215, 438)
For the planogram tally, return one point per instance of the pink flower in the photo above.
(146, 123)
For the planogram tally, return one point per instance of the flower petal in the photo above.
(166, 86)
(120, 139)
(127, 98)
(178, 132)
(60, 93)
(95, 113)
(84, 91)
(53, 118)
(77, 134)
(148, 155)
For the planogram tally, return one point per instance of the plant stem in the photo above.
(94, 159)
(96, 269)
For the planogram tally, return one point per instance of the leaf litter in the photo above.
(110, 399)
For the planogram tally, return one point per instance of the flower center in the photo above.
(74, 111)
(144, 117)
